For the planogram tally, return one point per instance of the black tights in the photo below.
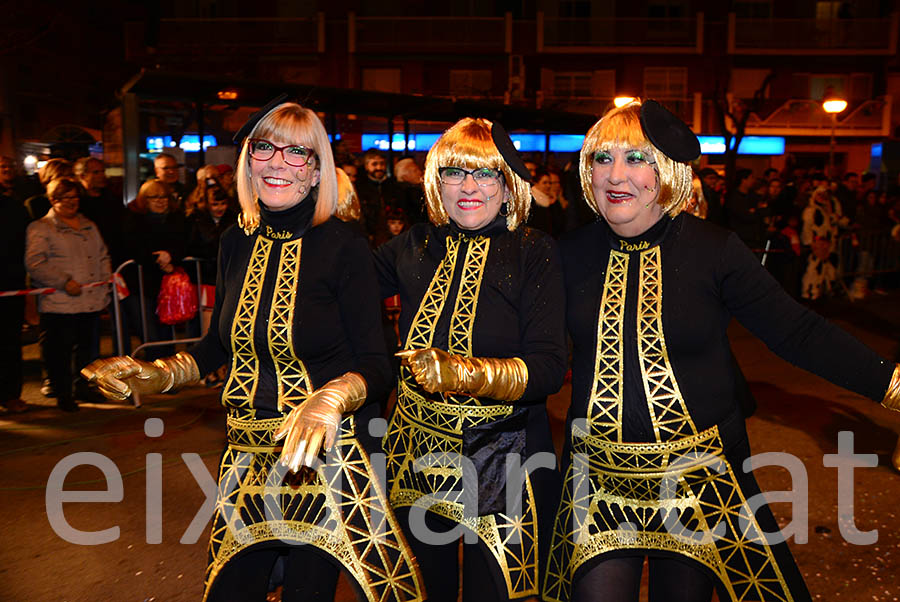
(307, 576)
(439, 565)
(619, 580)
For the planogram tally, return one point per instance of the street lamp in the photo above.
(833, 106)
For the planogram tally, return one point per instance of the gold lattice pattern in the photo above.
(612, 500)
(292, 377)
(422, 330)
(430, 425)
(668, 411)
(629, 495)
(338, 508)
(244, 375)
(463, 319)
(412, 433)
(605, 405)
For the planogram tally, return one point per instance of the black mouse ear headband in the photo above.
(668, 133)
(508, 151)
(256, 117)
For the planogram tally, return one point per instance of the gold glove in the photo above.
(436, 370)
(892, 396)
(316, 420)
(117, 377)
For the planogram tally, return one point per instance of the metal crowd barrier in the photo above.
(863, 254)
(145, 344)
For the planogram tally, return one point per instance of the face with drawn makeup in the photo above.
(282, 183)
(626, 186)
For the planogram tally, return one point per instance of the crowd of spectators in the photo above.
(809, 230)
(67, 230)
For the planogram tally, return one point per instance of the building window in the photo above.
(666, 9)
(572, 84)
(745, 82)
(826, 11)
(471, 82)
(850, 86)
(382, 80)
(753, 9)
(665, 82)
(574, 9)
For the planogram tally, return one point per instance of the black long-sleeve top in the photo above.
(708, 277)
(108, 212)
(203, 240)
(146, 233)
(336, 326)
(520, 304)
(12, 255)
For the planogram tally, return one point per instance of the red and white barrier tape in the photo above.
(121, 289)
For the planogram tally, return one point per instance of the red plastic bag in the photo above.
(177, 301)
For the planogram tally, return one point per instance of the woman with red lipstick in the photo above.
(483, 345)
(297, 320)
(656, 447)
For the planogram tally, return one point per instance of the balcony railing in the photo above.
(184, 37)
(813, 36)
(618, 35)
(457, 35)
(805, 117)
(686, 108)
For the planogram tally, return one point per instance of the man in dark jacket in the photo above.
(846, 194)
(709, 180)
(743, 213)
(101, 206)
(376, 191)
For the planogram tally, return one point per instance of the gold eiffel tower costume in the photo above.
(284, 300)
(448, 283)
(656, 448)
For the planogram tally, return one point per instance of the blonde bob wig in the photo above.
(288, 122)
(621, 128)
(468, 144)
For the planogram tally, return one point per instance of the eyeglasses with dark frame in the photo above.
(483, 176)
(294, 155)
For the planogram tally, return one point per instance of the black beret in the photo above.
(255, 118)
(508, 151)
(668, 133)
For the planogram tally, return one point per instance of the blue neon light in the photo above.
(569, 143)
(750, 145)
(424, 141)
(566, 143)
(417, 142)
(876, 149)
(528, 143)
(190, 143)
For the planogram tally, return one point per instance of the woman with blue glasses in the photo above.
(482, 331)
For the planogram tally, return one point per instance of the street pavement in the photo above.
(42, 558)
